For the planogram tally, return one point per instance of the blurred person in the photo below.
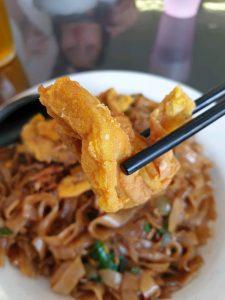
(59, 37)
(121, 17)
(82, 42)
(83, 30)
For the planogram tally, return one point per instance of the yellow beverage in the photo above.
(13, 80)
(7, 48)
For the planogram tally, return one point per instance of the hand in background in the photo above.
(122, 16)
(35, 41)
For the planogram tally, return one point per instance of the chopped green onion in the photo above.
(147, 227)
(98, 253)
(166, 224)
(92, 273)
(5, 231)
(122, 264)
(111, 255)
(96, 278)
(111, 262)
(161, 231)
(164, 233)
(104, 258)
(135, 270)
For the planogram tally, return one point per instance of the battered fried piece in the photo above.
(163, 118)
(117, 103)
(170, 114)
(40, 138)
(74, 184)
(104, 143)
(107, 139)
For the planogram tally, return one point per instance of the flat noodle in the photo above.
(129, 287)
(148, 287)
(34, 209)
(111, 278)
(98, 290)
(22, 255)
(67, 276)
(103, 226)
(176, 215)
(70, 232)
(51, 226)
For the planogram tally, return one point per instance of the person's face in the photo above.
(81, 43)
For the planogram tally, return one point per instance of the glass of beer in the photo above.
(7, 47)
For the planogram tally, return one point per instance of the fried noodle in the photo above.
(51, 224)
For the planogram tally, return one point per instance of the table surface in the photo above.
(54, 38)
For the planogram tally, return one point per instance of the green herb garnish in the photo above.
(164, 233)
(135, 270)
(96, 278)
(99, 253)
(147, 227)
(161, 231)
(5, 231)
(105, 259)
(122, 264)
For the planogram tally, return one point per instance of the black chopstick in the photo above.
(170, 141)
(213, 96)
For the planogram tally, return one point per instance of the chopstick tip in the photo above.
(125, 169)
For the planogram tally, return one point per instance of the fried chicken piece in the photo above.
(41, 139)
(104, 143)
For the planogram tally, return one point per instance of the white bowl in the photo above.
(210, 282)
